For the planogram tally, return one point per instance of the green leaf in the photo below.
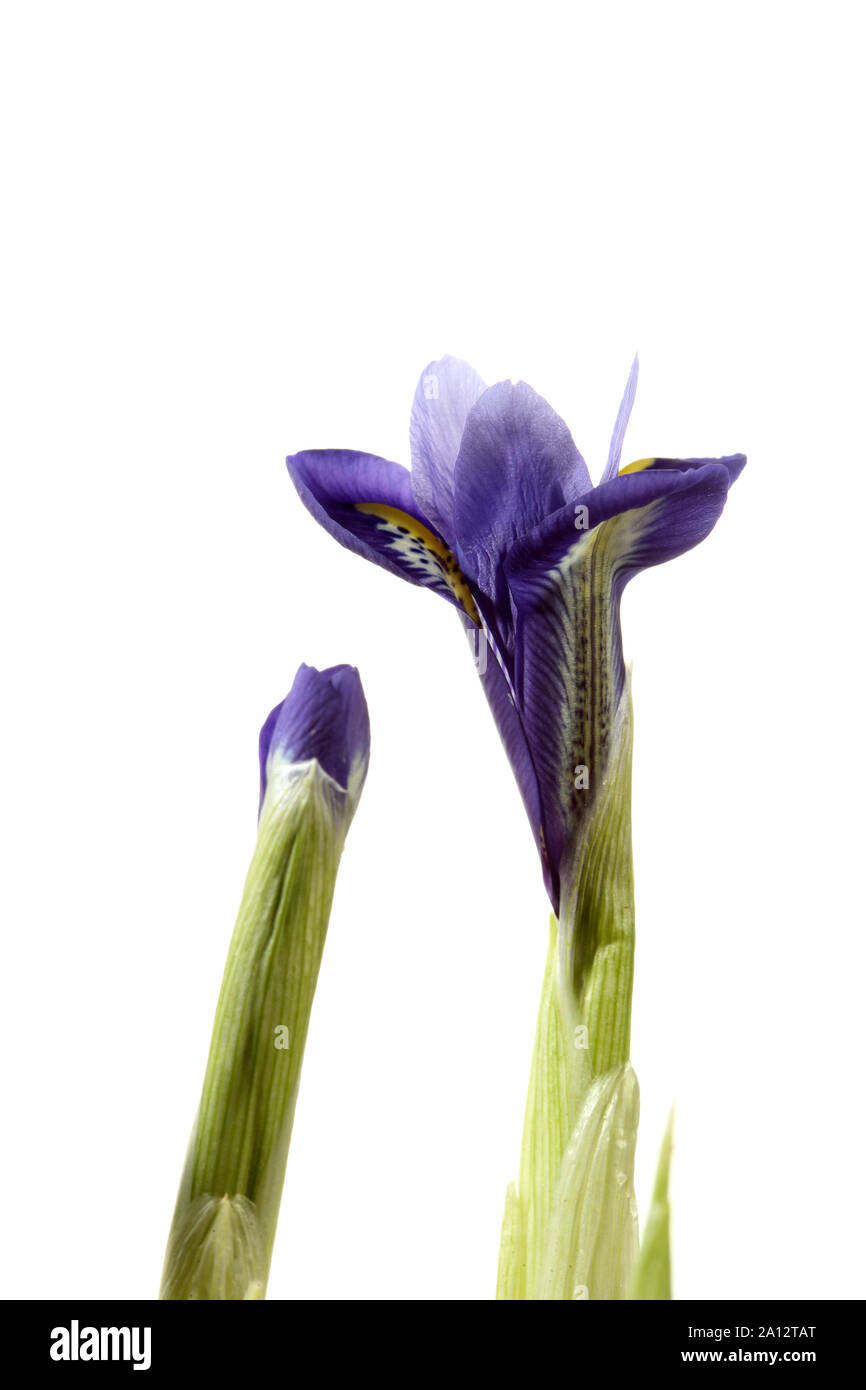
(216, 1251)
(652, 1278)
(511, 1283)
(592, 1236)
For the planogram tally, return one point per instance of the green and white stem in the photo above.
(570, 1229)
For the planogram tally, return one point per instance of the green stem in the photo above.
(225, 1219)
(570, 1225)
(597, 916)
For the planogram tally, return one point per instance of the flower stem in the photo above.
(225, 1219)
(570, 1227)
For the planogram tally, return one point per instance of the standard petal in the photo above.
(566, 582)
(517, 464)
(446, 393)
(367, 503)
(622, 419)
(323, 718)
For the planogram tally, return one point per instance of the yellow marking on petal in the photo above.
(636, 467)
(434, 558)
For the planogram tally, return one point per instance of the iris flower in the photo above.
(499, 516)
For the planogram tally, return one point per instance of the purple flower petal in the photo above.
(687, 497)
(622, 419)
(511, 731)
(733, 463)
(367, 504)
(446, 393)
(323, 718)
(517, 464)
(566, 583)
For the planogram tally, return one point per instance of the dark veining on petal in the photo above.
(423, 551)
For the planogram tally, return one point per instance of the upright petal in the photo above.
(517, 464)
(622, 419)
(446, 393)
(367, 504)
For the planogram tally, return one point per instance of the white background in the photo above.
(234, 231)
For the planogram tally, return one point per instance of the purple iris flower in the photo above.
(500, 517)
(323, 719)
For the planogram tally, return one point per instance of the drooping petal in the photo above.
(622, 419)
(508, 722)
(566, 580)
(649, 515)
(323, 718)
(659, 509)
(733, 463)
(367, 504)
(446, 393)
(517, 464)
